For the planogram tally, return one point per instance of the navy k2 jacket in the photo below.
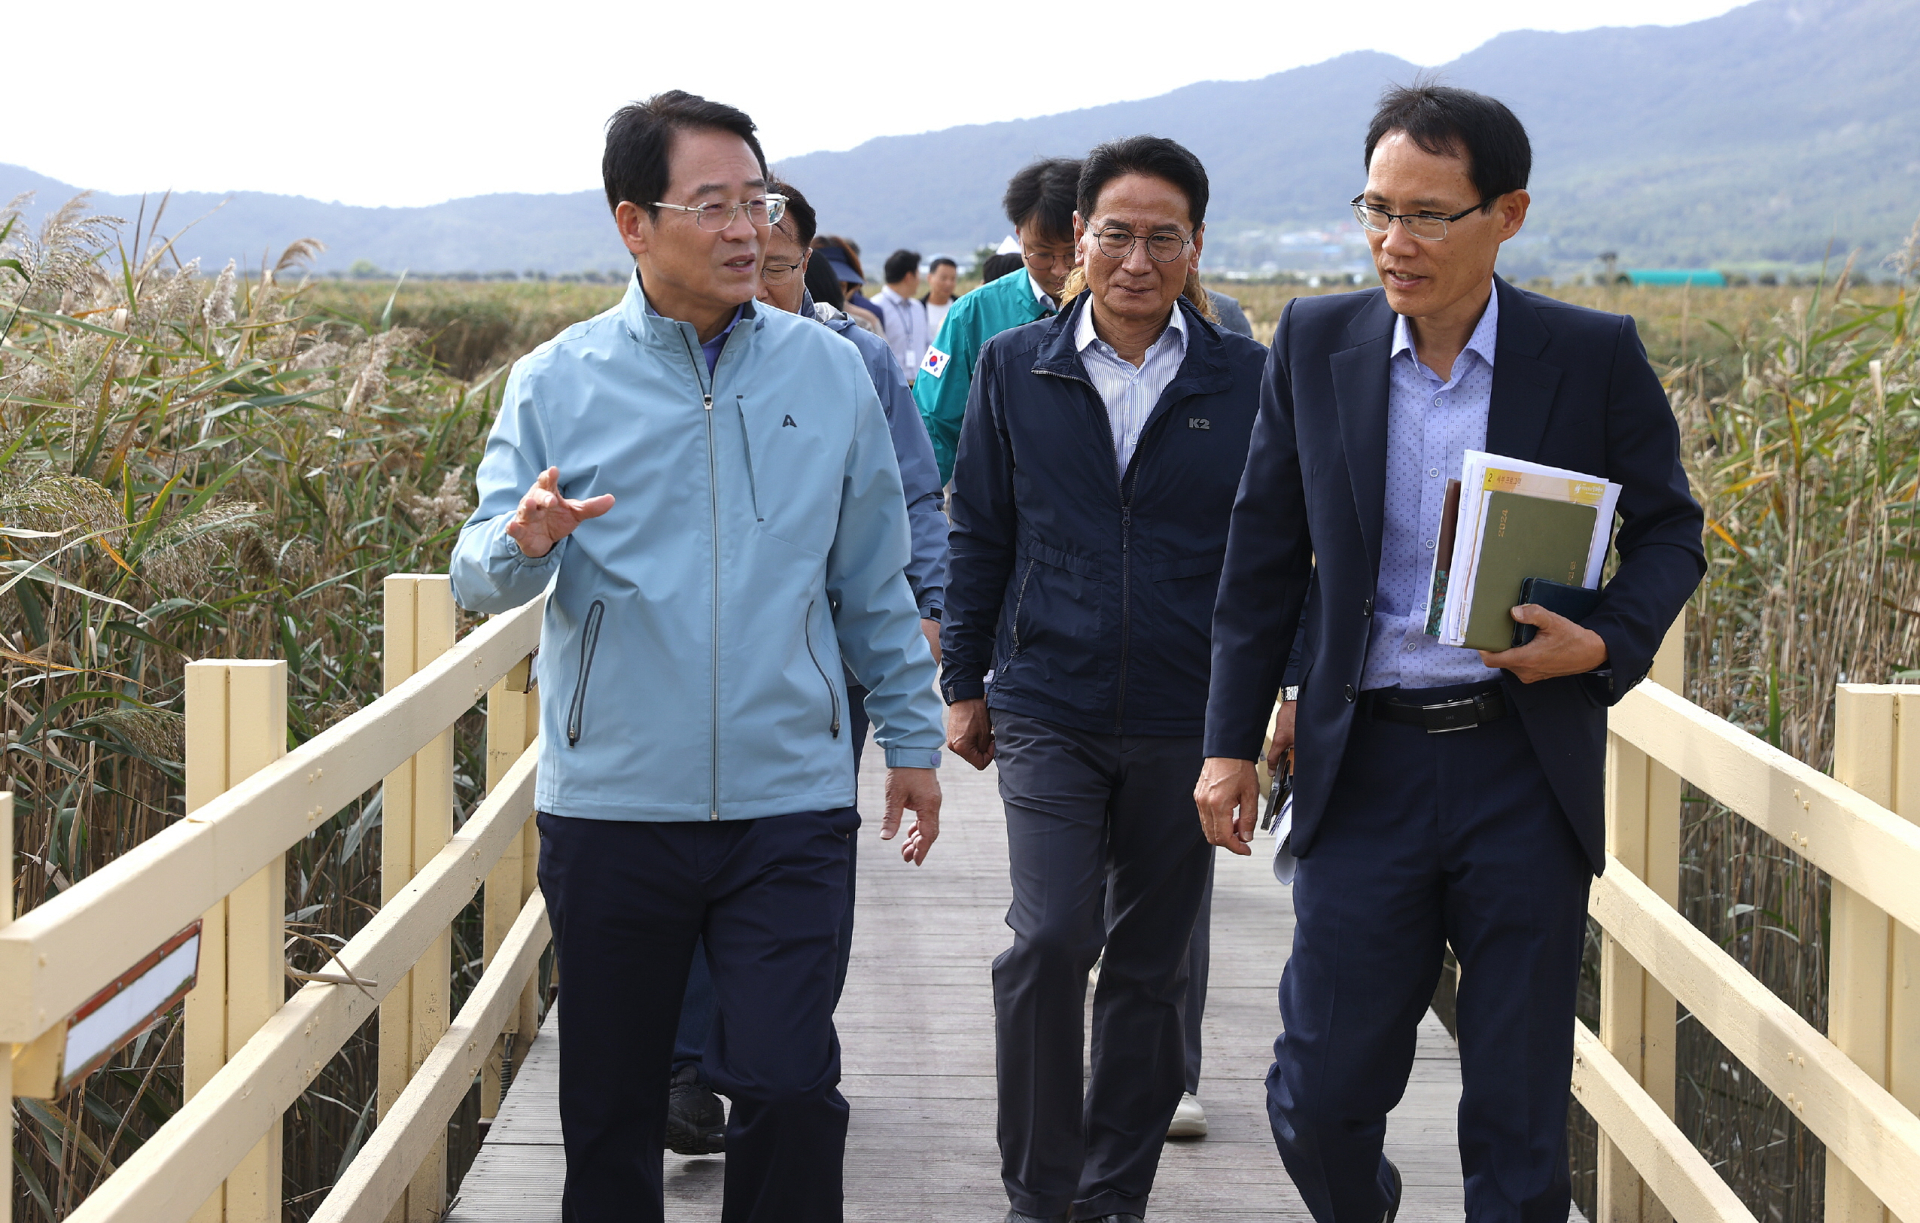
(1086, 593)
(1571, 388)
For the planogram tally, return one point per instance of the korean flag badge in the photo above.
(936, 362)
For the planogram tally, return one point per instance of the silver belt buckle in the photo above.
(1463, 702)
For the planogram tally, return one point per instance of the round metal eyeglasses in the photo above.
(1161, 247)
(762, 211)
(1426, 226)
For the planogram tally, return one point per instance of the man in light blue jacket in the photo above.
(708, 493)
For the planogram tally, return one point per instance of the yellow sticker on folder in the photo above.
(1547, 488)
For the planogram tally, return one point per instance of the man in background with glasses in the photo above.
(1039, 203)
(696, 1120)
(708, 496)
(1097, 467)
(1442, 796)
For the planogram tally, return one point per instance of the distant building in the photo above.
(1706, 278)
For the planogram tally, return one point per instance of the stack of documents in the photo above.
(1507, 520)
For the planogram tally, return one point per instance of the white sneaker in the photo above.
(1189, 1120)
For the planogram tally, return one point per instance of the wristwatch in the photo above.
(1290, 693)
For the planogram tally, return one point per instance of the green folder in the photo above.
(1524, 537)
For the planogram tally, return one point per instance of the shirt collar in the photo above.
(1041, 295)
(888, 295)
(1485, 337)
(1084, 334)
(724, 331)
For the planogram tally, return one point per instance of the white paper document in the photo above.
(1482, 475)
(1283, 860)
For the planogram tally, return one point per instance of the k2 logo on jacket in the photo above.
(935, 363)
(1199, 422)
(788, 423)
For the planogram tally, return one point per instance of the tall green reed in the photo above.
(201, 466)
(1800, 429)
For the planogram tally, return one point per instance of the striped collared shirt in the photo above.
(1129, 393)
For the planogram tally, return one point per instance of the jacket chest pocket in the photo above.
(793, 472)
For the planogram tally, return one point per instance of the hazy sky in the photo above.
(400, 102)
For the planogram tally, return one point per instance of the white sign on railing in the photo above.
(129, 1005)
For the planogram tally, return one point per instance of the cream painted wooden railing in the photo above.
(250, 1050)
(1854, 1088)
(249, 1056)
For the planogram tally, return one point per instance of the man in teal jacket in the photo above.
(1039, 203)
(708, 495)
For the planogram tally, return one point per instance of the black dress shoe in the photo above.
(1014, 1216)
(1393, 1206)
(696, 1120)
(1117, 1219)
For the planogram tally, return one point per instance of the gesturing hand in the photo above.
(545, 517)
(919, 790)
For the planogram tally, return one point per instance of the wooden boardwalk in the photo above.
(916, 1026)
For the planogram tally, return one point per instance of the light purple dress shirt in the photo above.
(1430, 426)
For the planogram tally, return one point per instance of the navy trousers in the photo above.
(1432, 840)
(696, 1011)
(1199, 959)
(1105, 850)
(627, 902)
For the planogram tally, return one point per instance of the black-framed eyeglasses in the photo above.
(1162, 247)
(763, 211)
(778, 273)
(1047, 258)
(1426, 226)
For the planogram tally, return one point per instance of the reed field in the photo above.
(204, 462)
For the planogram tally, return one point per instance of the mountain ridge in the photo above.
(1771, 134)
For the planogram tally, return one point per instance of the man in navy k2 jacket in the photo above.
(1091, 494)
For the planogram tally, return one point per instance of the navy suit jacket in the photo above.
(1571, 388)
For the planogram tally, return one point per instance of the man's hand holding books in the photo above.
(1559, 647)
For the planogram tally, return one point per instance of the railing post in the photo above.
(6, 1052)
(416, 821)
(236, 726)
(1903, 977)
(513, 720)
(1873, 1015)
(1637, 1016)
(528, 1023)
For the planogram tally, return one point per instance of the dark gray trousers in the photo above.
(1199, 959)
(1105, 850)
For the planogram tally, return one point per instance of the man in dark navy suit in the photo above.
(1443, 796)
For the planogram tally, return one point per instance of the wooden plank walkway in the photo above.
(916, 1026)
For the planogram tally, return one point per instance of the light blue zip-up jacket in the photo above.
(692, 651)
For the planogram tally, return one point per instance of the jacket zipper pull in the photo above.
(708, 400)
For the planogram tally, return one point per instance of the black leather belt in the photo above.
(1463, 712)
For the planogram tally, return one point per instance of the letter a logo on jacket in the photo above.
(788, 424)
